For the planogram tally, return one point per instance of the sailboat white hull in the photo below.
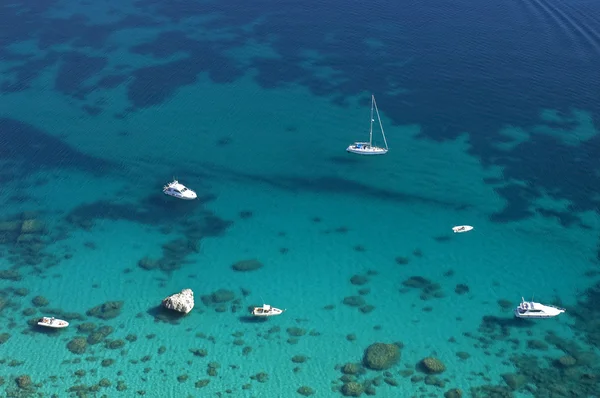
(365, 149)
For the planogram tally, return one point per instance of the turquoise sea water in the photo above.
(491, 114)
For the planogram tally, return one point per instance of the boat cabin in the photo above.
(266, 308)
(179, 190)
(176, 187)
(528, 308)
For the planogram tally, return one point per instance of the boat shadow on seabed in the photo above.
(491, 321)
(252, 319)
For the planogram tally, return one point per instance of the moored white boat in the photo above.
(533, 310)
(52, 323)
(266, 310)
(461, 228)
(367, 148)
(178, 190)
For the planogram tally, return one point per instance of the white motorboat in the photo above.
(178, 190)
(266, 310)
(531, 309)
(461, 228)
(367, 148)
(52, 323)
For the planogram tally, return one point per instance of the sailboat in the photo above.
(367, 148)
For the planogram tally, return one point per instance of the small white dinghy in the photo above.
(178, 190)
(461, 228)
(53, 323)
(266, 310)
(535, 310)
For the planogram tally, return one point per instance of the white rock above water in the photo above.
(181, 302)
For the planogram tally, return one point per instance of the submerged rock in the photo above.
(247, 265)
(180, 302)
(306, 391)
(108, 310)
(432, 365)
(10, 274)
(24, 382)
(10, 226)
(453, 393)
(32, 227)
(222, 296)
(40, 301)
(352, 389)
(354, 301)
(4, 337)
(566, 361)
(359, 280)
(77, 346)
(148, 263)
(514, 381)
(351, 369)
(380, 356)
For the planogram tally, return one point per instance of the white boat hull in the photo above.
(373, 150)
(266, 312)
(180, 197)
(536, 316)
(459, 229)
(53, 323)
(267, 315)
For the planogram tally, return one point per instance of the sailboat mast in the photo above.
(371, 129)
(379, 119)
